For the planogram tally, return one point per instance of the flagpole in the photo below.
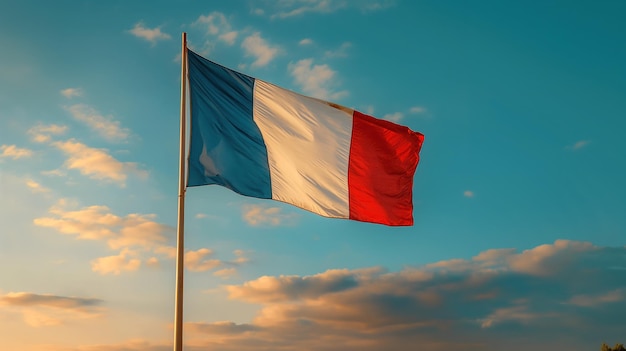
(180, 235)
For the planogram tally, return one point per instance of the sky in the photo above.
(519, 198)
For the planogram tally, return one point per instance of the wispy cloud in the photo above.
(416, 110)
(116, 264)
(394, 117)
(200, 261)
(257, 215)
(40, 310)
(97, 222)
(342, 51)
(150, 34)
(254, 45)
(315, 80)
(36, 187)
(468, 193)
(14, 152)
(72, 92)
(579, 145)
(295, 8)
(97, 163)
(43, 133)
(586, 300)
(305, 41)
(225, 273)
(103, 125)
(217, 25)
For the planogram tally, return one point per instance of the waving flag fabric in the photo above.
(264, 141)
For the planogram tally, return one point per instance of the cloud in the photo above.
(42, 133)
(256, 215)
(285, 288)
(305, 41)
(198, 261)
(106, 126)
(217, 25)
(134, 235)
(298, 8)
(130, 345)
(14, 152)
(152, 35)
(116, 264)
(315, 80)
(72, 92)
(394, 117)
(226, 272)
(97, 163)
(99, 223)
(254, 45)
(40, 310)
(229, 38)
(36, 187)
(579, 145)
(598, 299)
(548, 293)
(342, 51)
(468, 193)
(417, 110)
(295, 8)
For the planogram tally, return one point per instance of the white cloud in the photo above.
(14, 152)
(97, 163)
(305, 41)
(215, 23)
(72, 92)
(254, 45)
(342, 51)
(315, 80)
(229, 38)
(150, 34)
(225, 273)
(256, 215)
(103, 125)
(417, 110)
(43, 133)
(394, 117)
(36, 187)
(99, 223)
(296, 8)
(199, 261)
(468, 193)
(218, 25)
(579, 145)
(116, 264)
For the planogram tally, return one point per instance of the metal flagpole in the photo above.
(180, 241)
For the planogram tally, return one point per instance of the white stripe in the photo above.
(308, 146)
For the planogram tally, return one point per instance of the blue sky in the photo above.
(519, 232)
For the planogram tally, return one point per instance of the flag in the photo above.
(263, 141)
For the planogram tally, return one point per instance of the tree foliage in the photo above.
(617, 347)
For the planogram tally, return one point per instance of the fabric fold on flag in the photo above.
(264, 141)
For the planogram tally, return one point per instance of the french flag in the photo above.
(264, 141)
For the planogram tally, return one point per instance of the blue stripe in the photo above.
(226, 146)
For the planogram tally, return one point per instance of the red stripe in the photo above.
(383, 158)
